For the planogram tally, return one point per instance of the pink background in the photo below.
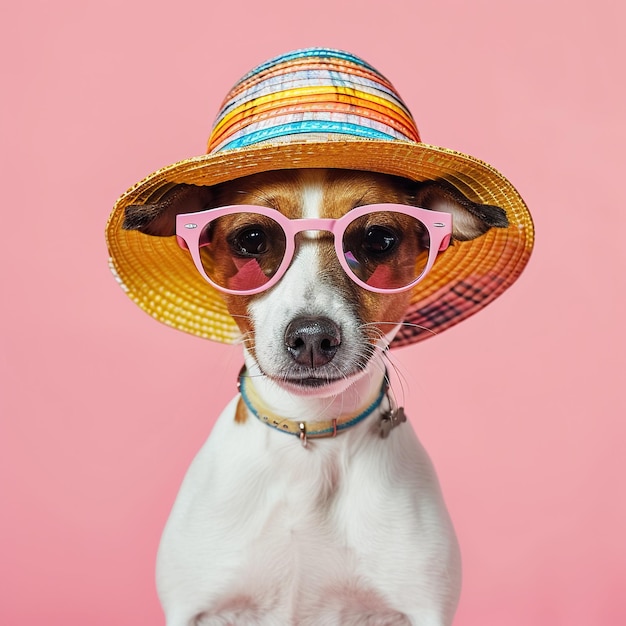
(529, 437)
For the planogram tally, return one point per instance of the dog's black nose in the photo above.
(312, 341)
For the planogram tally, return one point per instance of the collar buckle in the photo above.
(303, 440)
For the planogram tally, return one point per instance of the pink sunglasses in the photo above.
(385, 248)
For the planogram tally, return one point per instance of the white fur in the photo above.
(312, 194)
(350, 530)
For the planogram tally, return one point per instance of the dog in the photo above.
(270, 529)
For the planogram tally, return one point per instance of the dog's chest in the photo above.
(260, 516)
(268, 488)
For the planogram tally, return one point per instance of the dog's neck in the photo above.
(349, 397)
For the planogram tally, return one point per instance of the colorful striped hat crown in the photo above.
(320, 108)
(311, 95)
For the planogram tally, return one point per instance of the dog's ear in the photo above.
(469, 219)
(159, 218)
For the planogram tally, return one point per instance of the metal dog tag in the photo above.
(390, 420)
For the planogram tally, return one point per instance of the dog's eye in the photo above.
(379, 240)
(251, 241)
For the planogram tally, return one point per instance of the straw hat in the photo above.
(320, 108)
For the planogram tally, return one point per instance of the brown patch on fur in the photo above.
(241, 412)
(380, 312)
(281, 190)
(345, 190)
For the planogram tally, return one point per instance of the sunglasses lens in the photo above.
(242, 251)
(386, 250)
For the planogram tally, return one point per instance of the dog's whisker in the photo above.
(401, 378)
(261, 198)
(379, 344)
(240, 316)
(420, 327)
(403, 323)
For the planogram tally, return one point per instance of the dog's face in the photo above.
(316, 330)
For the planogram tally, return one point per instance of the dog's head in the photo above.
(316, 330)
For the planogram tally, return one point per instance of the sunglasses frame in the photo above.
(190, 226)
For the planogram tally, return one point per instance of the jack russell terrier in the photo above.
(318, 231)
(312, 502)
